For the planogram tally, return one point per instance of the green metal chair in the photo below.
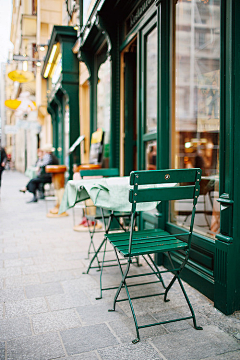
(147, 188)
(110, 220)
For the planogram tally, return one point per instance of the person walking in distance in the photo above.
(3, 160)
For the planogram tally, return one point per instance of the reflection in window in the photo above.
(196, 95)
(87, 8)
(151, 82)
(66, 135)
(103, 106)
(151, 155)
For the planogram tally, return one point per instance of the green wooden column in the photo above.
(227, 254)
(64, 90)
(164, 20)
(70, 88)
(111, 31)
(72, 91)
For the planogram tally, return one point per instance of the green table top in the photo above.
(107, 193)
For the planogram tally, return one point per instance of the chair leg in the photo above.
(159, 276)
(124, 275)
(177, 276)
(123, 283)
(104, 252)
(133, 314)
(95, 257)
(169, 287)
(189, 305)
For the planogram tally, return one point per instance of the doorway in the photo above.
(129, 108)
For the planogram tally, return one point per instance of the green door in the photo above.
(148, 105)
(148, 96)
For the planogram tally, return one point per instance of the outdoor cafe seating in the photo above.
(142, 192)
(110, 219)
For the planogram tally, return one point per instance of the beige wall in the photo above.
(84, 111)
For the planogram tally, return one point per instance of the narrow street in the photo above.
(48, 308)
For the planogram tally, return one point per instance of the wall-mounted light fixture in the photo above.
(47, 70)
(52, 54)
(50, 61)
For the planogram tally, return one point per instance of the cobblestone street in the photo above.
(48, 308)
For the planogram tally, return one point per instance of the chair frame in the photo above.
(107, 220)
(146, 242)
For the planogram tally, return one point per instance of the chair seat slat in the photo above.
(147, 242)
(154, 249)
(136, 234)
(162, 194)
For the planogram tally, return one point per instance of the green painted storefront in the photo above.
(63, 92)
(120, 31)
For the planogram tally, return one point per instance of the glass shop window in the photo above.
(103, 106)
(196, 107)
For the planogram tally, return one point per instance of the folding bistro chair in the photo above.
(109, 219)
(146, 242)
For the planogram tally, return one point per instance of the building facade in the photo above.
(163, 84)
(31, 28)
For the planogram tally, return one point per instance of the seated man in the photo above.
(42, 178)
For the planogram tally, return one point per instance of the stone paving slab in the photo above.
(41, 347)
(13, 328)
(140, 351)
(98, 313)
(84, 356)
(87, 338)
(229, 356)
(12, 295)
(22, 280)
(67, 301)
(26, 307)
(55, 321)
(33, 291)
(195, 344)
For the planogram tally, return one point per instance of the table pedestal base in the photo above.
(53, 213)
(58, 180)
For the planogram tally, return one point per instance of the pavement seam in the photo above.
(48, 305)
(59, 335)
(98, 356)
(31, 325)
(79, 317)
(5, 350)
(113, 332)
(159, 352)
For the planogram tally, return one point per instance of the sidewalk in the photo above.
(48, 308)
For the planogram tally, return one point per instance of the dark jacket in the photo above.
(3, 157)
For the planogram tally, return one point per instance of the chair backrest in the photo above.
(96, 147)
(111, 172)
(175, 189)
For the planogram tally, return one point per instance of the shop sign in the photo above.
(137, 14)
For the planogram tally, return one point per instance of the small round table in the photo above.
(58, 181)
